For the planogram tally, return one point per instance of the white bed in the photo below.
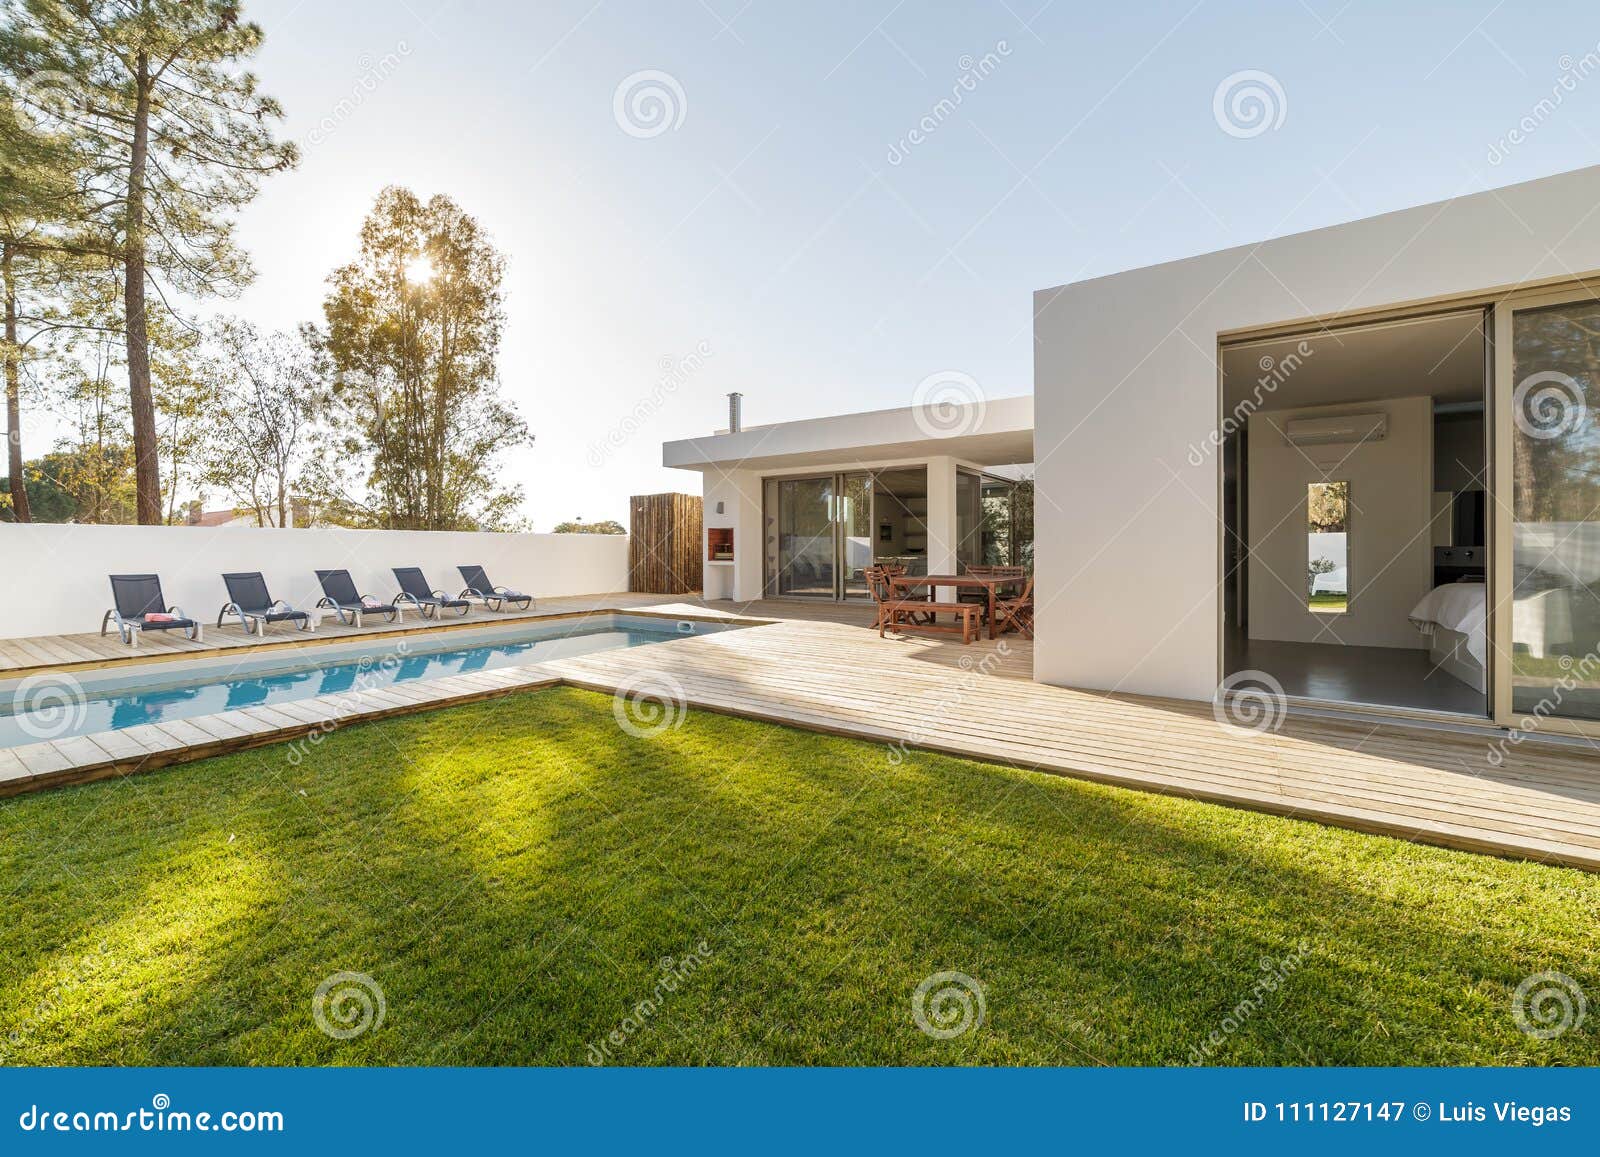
(1453, 618)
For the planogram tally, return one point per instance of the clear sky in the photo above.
(784, 223)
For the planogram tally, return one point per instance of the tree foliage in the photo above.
(40, 201)
(1328, 507)
(413, 334)
(173, 136)
(579, 526)
(259, 434)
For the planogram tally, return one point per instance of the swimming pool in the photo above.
(59, 706)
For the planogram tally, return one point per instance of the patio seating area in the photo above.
(993, 598)
(823, 666)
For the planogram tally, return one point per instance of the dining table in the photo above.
(986, 583)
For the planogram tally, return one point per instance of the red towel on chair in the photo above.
(160, 617)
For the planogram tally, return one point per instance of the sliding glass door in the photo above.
(819, 536)
(855, 533)
(803, 511)
(1552, 492)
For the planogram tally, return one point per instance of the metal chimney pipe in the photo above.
(735, 424)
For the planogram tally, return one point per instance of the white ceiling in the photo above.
(1442, 356)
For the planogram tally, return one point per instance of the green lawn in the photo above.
(512, 873)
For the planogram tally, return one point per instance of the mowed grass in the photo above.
(512, 874)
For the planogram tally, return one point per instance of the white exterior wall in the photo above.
(55, 575)
(1126, 397)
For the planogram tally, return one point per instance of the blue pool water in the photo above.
(55, 707)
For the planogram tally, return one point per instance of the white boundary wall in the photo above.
(1126, 401)
(53, 576)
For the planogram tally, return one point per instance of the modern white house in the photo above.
(1359, 464)
(800, 509)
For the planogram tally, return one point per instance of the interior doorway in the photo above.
(1354, 467)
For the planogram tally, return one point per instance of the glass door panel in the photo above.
(805, 539)
(969, 520)
(855, 533)
(1555, 486)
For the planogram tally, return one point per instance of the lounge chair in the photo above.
(141, 607)
(255, 608)
(340, 595)
(495, 598)
(414, 589)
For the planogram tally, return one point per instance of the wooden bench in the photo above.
(970, 616)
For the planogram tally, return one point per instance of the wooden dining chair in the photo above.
(890, 605)
(981, 570)
(1015, 612)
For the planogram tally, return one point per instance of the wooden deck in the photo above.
(820, 666)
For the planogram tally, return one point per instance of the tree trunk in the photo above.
(147, 462)
(19, 490)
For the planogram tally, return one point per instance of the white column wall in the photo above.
(942, 530)
(1126, 400)
(53, 576)
(739, 492)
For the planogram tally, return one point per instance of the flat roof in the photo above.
(990, 432)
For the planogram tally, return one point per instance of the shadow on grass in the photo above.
(512, 874)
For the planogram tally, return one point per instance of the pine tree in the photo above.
(175, 137)
(40, 202)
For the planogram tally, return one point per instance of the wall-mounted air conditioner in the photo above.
(1351, 428)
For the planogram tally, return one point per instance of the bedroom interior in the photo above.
(1354, 481)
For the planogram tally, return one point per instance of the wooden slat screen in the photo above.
(664, 544)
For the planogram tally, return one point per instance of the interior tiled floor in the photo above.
(1385, 676)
